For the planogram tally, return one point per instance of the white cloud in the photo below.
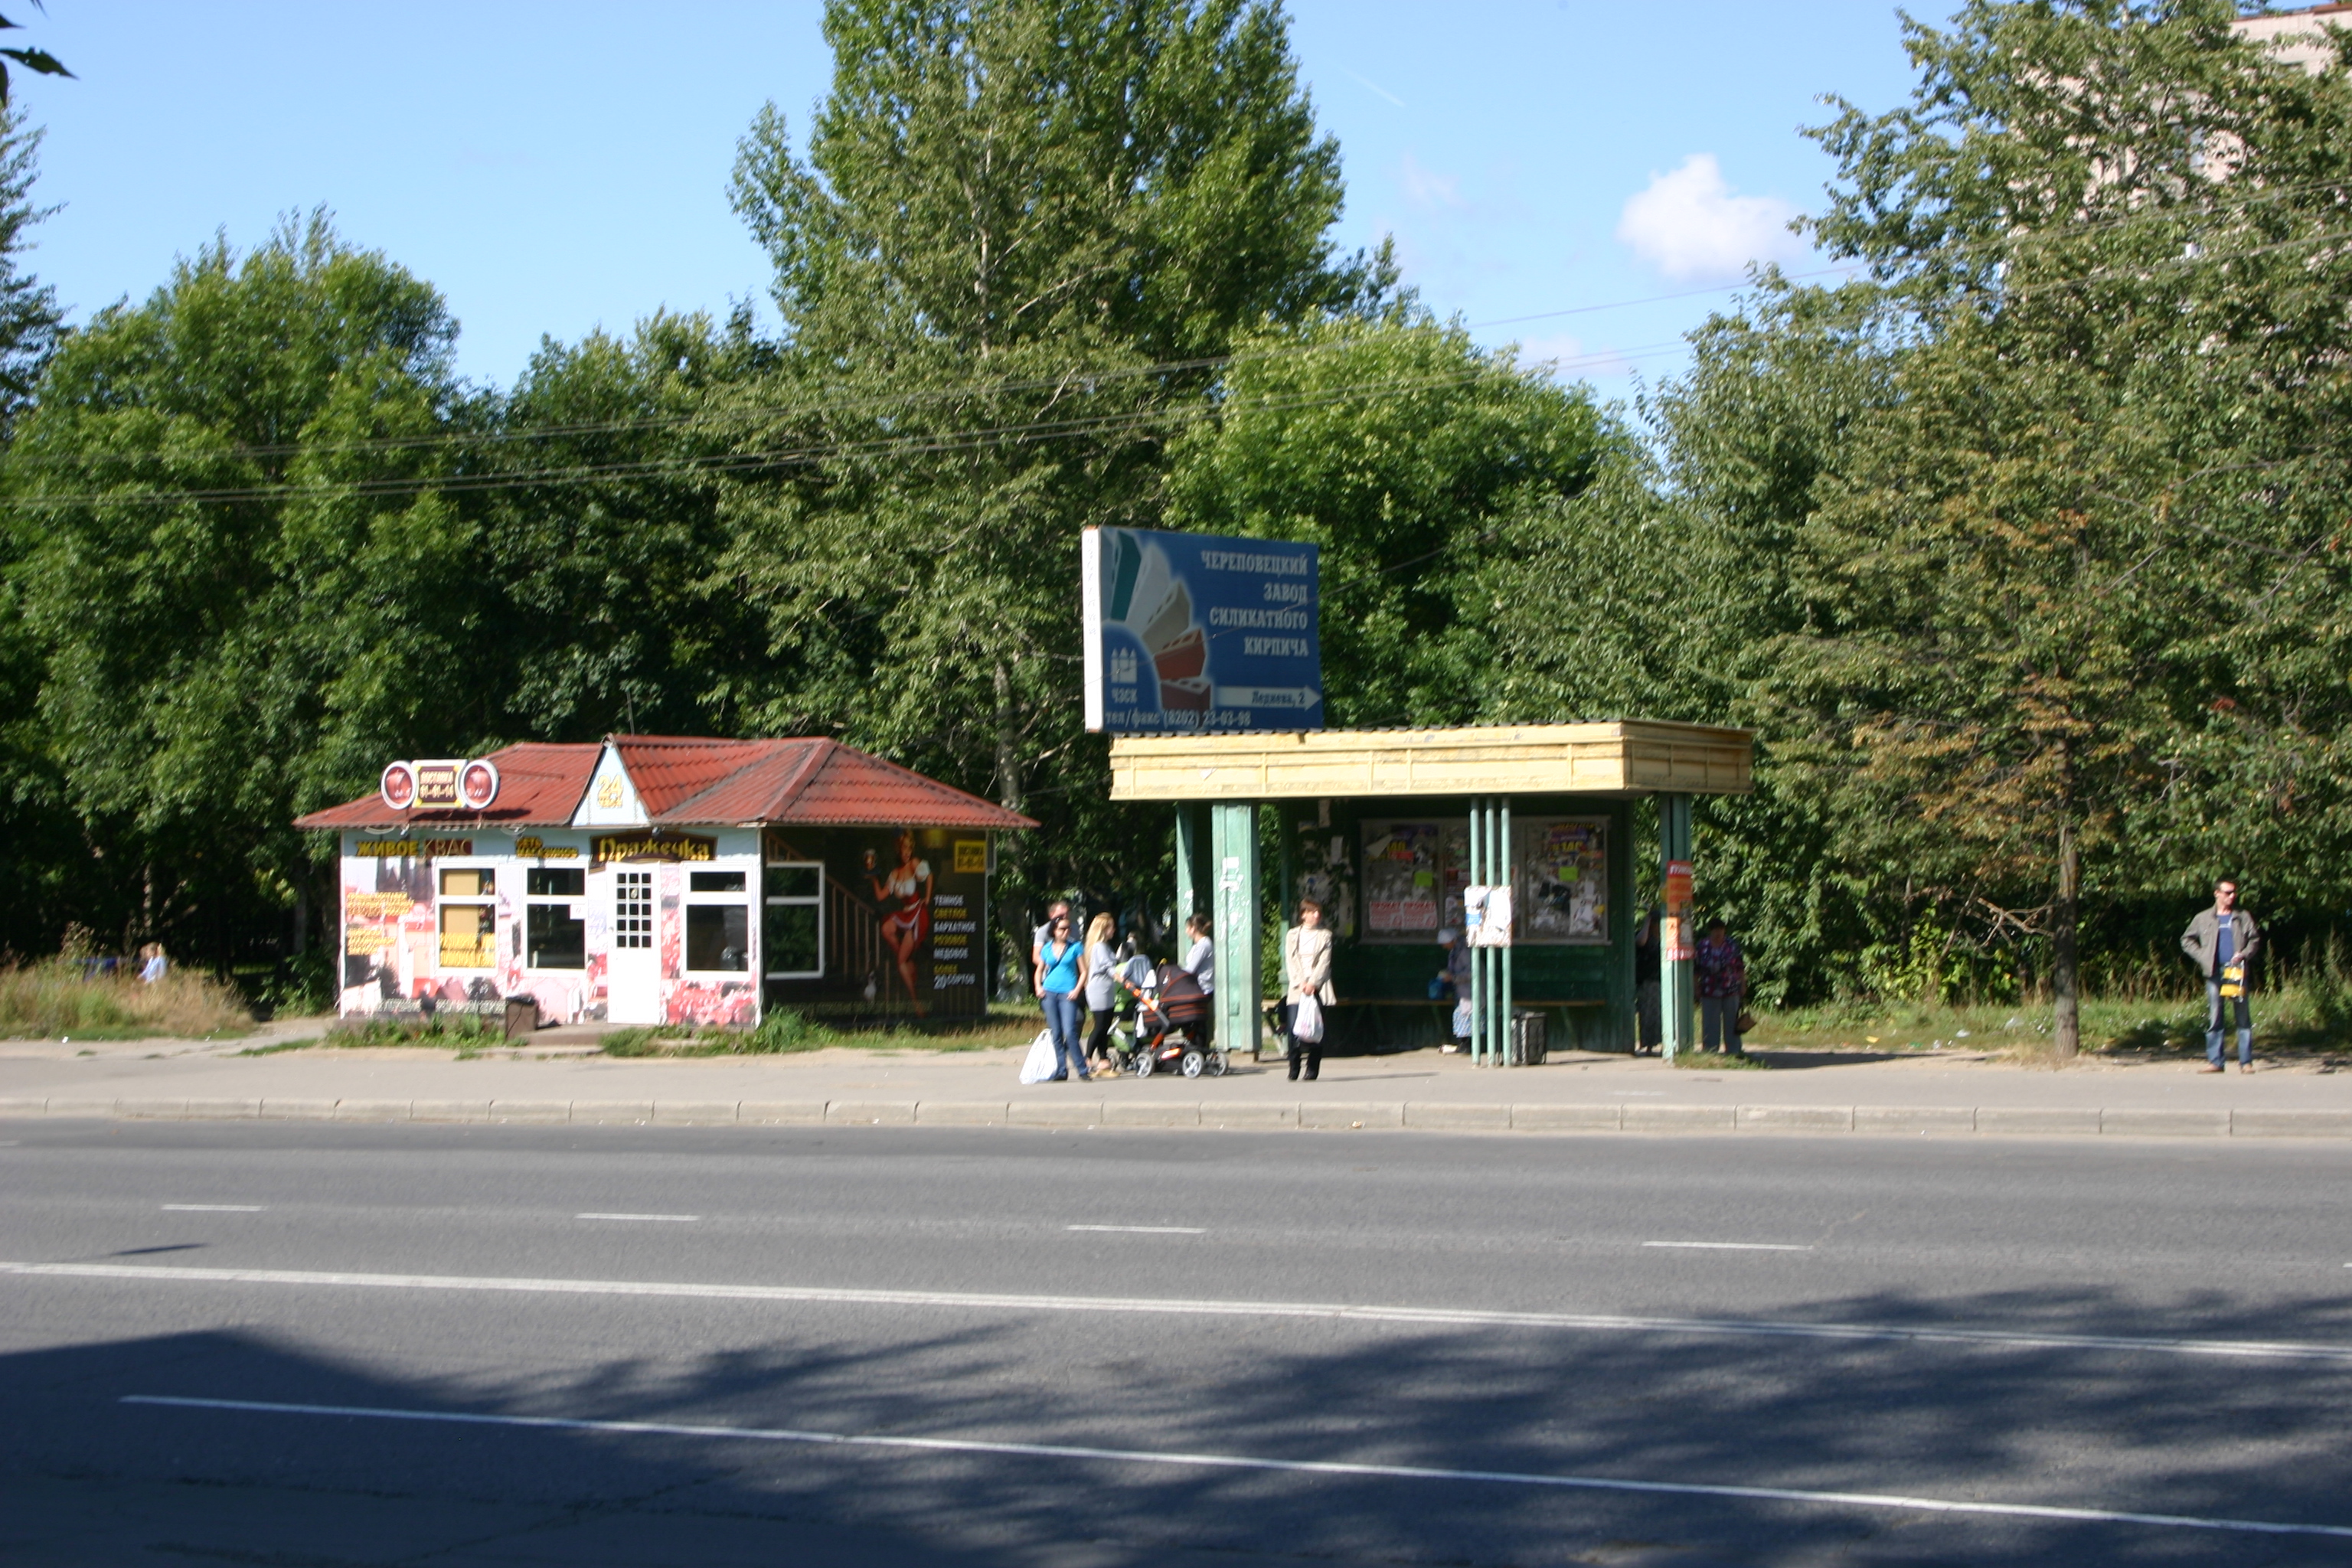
(1690, 227)
(1428, 188)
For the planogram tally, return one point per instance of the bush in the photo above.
(55, 998)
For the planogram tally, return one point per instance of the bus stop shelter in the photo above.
(1388, 828)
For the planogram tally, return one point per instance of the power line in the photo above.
(739, 463)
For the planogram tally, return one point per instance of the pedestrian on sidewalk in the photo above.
(1306, 977)
(1199, 962)
(1101, 962)
(1061, 975)
(1451, 987)
(1722, 984)
(1649, 1016)
(2223, 942)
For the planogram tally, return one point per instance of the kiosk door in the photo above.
(633, 973)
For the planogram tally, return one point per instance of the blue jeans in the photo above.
(2216, 1007)
(1063, 1011)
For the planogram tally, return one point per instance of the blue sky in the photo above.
(552, 168)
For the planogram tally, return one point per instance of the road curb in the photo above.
(1346, 1116)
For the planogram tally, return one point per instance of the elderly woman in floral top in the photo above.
(1722, 984)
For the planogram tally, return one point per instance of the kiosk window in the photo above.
(718, 922)
(792, 920)
(557, 936)
(468, 918)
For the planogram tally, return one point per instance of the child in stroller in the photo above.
(1169, 1028)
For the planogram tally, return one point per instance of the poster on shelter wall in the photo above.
(1402, 890)
(1195, 632)
(1562, 877)
(1326, 874)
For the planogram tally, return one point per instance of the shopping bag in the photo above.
(1307, 1020)
(1462, 1019)
(2233, 980)
(1043, 1058)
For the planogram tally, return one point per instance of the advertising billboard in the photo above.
(1195, 631)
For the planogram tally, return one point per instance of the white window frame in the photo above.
(816, 899)
(746, 899)
(489, 900)
(571, 903)
(615, 936)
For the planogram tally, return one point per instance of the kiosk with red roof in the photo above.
(665, 879)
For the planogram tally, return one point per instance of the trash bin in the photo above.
(1527, 1046)
(522, 1016)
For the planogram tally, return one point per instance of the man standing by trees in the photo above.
(2223, 941)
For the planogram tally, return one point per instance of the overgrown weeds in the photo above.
(465, 1033)
(55, 999)
(787, 1033)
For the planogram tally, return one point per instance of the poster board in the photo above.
(1188, 632)
(1416, 872)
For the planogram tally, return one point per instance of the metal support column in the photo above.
(1232, 852)
(1479, 986)
(1504, 1000)
(1676, 982)
(1490, 967)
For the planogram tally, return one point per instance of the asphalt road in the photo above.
(280, 1344)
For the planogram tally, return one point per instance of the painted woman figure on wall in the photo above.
(904, 894)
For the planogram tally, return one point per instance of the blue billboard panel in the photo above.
(1192, 631)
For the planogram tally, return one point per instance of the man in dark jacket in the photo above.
(2222, 941)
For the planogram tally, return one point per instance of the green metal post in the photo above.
(1233, 850)
(1676, 982)
(1506, 1000)
(1479, 989)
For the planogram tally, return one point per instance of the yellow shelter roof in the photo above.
(1619, 757)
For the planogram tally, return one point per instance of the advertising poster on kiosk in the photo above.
(903, 932)
(1190, 632)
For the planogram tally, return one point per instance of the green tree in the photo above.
(243, 580)
(1020, 237)
(1407, 454)
(2066, 607)
(605, 535)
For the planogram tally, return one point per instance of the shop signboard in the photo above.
(1188, 631)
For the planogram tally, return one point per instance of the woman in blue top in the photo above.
(1061, 975)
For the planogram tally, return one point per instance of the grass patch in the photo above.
(52, 1000)
(1715, 1061)
(464, 1033)
(2306, 1014)
(787, 1033)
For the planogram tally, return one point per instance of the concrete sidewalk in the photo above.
(1950, 1092)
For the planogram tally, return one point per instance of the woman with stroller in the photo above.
(1061, 977)
(1101, 969)
(1199, 962)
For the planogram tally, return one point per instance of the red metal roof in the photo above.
(539, 786)
(684, 781)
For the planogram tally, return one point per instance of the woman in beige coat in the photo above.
(1306, 972)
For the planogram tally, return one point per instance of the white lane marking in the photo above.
(965, 1300)
(1731, 1246)
(1143, 1229)
(216, 1208)
(1250, 1462)
(667, 1218)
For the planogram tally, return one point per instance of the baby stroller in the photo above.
(1171, 1017)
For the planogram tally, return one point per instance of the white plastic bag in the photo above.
(1307, 1020)
(1043, 1058)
